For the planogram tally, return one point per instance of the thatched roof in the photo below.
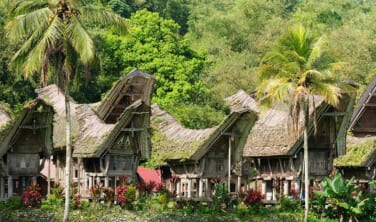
(270, 136)
(365, 98)
(136, 85)
(55, 97)
(241, 100)
(171, 141)
(360, 152)
(14, 127)
(91, 136)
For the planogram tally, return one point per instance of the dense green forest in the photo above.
(201, 51)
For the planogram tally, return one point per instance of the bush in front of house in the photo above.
(31, 197)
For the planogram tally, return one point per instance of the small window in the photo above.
(75, 173)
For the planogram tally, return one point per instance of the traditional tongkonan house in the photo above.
(275, 151)
(360, 158)
(25, 144)
(198, 157)
(109, 138)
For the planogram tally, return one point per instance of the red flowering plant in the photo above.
(254, 198)
(31, 197)
(96, 192)
(123, 180)
(77, 201)
(120, 196)
(109, 195)
(294, 193)
(174, 179)
(145, 189)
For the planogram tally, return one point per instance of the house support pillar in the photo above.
(239, 183)
(207, 188)
(33, 180)
(178, 188)
(263, 187)
(371, 188)
(10, 186)
(189, 188)
(98, 180)
(106, 181)
(297, 186)
(2, 188)
(200, 188)
(90, 182)
(285, 187)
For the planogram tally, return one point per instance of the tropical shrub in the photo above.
(254, 198)
(120, 196)
(341, 198)
(14, 202)
(221, 198)
(95, 193)
(31, 197)
(130, 195)
(145, 189)
(109, 195)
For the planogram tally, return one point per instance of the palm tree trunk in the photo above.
(68, 154)
(306, 174)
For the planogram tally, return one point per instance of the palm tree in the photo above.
(54, 38)
(292, 73)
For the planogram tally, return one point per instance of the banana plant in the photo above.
(341, 198)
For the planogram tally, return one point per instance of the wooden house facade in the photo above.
(275, 152)
(109, 138)
(25, 145)
(360, 158)
(199, 157)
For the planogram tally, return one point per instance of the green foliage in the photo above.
(356, 153)
(221, 198)
(131, 193)
(289, 205)
(341, 198)
(14, 203)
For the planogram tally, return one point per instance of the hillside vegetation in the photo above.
(201, 51)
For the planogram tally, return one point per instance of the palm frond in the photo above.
(80, 40)
(275, 90)
(329, 91)
(25, 7)
(23, 26)
(50, 40)
(103, 16)
(316, 51)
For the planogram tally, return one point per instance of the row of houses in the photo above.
(252, 147)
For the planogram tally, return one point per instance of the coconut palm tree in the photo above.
(54, 38)
(293, 72)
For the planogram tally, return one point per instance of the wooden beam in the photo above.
(370, 105)
(140, 113)
(119, 106)
(131, 93)
(135, 84)
(335, 114)
(132, 129)
(364, 130)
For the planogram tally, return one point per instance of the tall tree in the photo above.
(293, 72)
(54, 39)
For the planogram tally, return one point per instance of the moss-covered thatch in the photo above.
(13, 127)
(271, 135)
(171, 141)
(91, 136)
(360, 152)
